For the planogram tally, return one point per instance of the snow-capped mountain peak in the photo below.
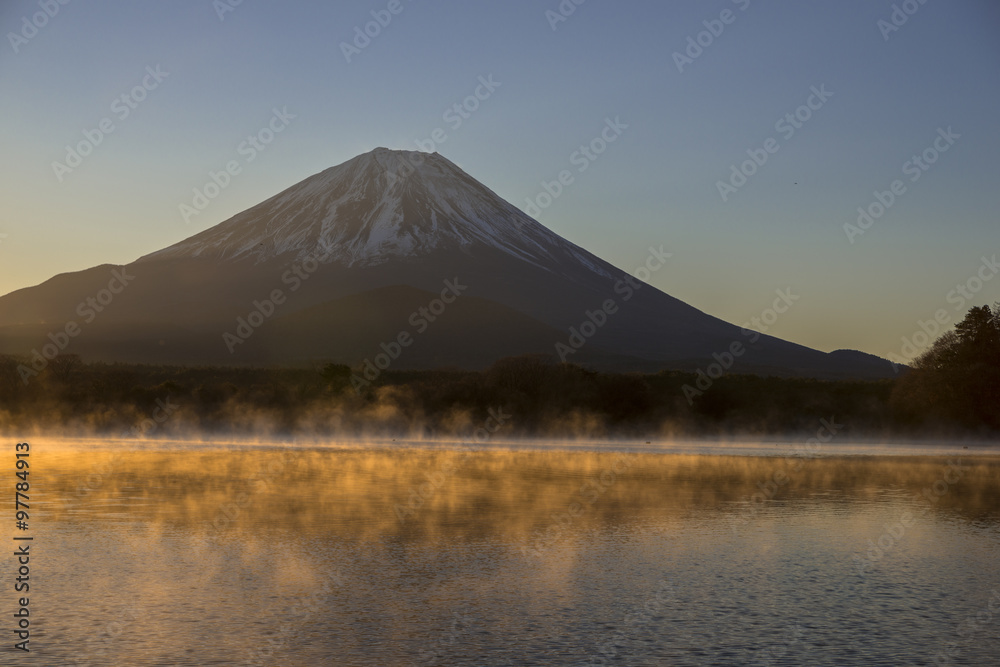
(378, 206)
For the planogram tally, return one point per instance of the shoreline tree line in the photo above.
(951, 390)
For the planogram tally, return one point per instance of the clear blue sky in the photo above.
(657, 184)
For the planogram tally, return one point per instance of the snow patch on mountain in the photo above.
(381, 206)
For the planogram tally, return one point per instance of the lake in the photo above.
(421, 554)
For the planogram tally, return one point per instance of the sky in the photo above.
(748, 135)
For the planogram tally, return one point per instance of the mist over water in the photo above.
(450, 555)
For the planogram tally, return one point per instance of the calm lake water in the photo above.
(421, 555)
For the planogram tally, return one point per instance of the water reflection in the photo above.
(421, 556)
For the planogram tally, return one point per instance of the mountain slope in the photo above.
(387, 228)
(378, 207)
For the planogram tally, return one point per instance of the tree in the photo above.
(337, 376)
(64, 365)
(958, 379)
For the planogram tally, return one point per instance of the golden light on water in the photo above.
(419, 493)
(292, 555)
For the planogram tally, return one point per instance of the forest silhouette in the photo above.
(951, 390)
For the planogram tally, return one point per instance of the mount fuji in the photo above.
(343, 264)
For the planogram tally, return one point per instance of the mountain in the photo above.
(386, 248)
